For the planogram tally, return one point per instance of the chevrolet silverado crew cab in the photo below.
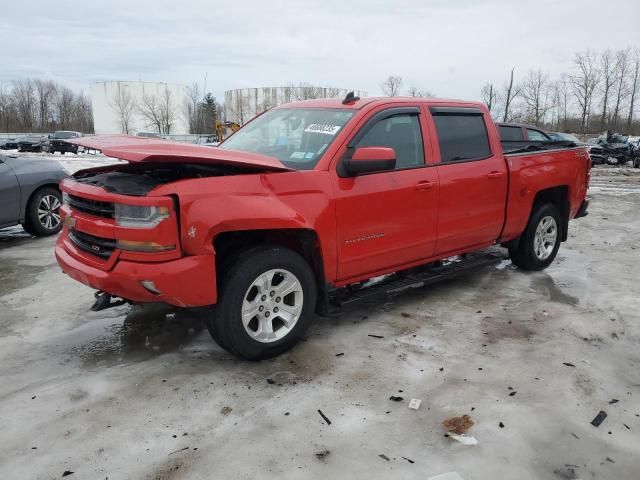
(304, 199)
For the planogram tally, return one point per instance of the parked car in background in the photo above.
(58, 142)
(29, 194)
(515, 136)
(33, 143)
(595, 150)
(565, 137)
(8, 144)
(617, 150)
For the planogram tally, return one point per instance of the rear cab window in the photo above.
(511, 134)
(462, 134)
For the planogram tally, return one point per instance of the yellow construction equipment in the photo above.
(224, 129)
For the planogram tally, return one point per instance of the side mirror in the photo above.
(370, 159)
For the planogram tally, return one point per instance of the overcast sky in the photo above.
(447, 47)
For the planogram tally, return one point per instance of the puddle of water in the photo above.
(544, 282)
(146, 331)
(15, 275)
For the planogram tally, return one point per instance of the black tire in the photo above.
(523, 252)
(225, 320)
(33, 224)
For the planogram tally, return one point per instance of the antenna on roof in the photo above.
(350, 98)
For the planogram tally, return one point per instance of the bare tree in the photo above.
(510, 92)
(535, 91)
(125, 106)
(633, 87)
(608, 69)
(584, 81)
(150, 109)
(489, 95)
(419, 92)
(192, 112)
(25, 103)
(65, 105)
(45, 91)
(167, 111)
(391, 86)
(622, 68)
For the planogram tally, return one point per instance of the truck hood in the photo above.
(154, 150)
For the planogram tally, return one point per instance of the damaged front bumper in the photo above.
(185, 282)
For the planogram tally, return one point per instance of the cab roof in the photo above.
(360, 103)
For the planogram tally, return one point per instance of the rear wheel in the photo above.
(43, 212)
(539, 243)
(266, 303)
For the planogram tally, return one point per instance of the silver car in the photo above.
(29, 194)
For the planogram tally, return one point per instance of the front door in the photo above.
(387, 219)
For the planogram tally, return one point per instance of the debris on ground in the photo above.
(339, 354)
(501, 425)
(609, 460)
(599, 418)
(270, 381)
(567, 472)
(322, 455)
(396, 399)
(324, 417)
(458, 425)
(447, 476)
(226, 410)
(409, 460)
(613, 400)
(568, 364)
(414, 403)
(176, 451)
(375, 336)
(463, 439)
(406, 315)
(513, 394)
(384, 457)
(66, 473)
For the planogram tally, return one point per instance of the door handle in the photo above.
(426, 185)
(494, 175)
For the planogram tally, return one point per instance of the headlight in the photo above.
(134, 216)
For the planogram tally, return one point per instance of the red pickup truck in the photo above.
(306, 198)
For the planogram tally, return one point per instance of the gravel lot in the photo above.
(144, 393)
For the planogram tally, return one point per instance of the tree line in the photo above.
(598, 92)
(36, 105)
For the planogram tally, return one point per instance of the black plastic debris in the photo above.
(66, 473)
(568, 364)
(322, 455)
(339, 354)
(599, 418)
(396, 399)
(613, 400)
(501, 425)
(409, 460)
(324, 417)
(180, 450)
(375, 336)
(384, 457)
(513, 394)
(270, 381)
(609, 460)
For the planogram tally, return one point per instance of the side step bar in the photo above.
(418, 277)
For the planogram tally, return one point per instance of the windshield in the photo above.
(63, 135)
(296, 136)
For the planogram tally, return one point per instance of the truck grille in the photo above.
(98, 246)
(92, 207)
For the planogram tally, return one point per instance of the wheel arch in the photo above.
(559, 196)
(230, 244)
(32, 194)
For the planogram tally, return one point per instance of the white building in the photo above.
(129, 107)
(243, 104)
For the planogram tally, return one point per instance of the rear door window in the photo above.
(536, 136)
(511, 134)
(462, 137)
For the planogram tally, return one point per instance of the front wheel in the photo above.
(43, 212)
(540, 241)
(266, 303)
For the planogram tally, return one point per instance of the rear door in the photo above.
(9, 195)
(473, 179)
(387, 219)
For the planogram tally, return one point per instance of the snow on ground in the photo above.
(72, 163)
